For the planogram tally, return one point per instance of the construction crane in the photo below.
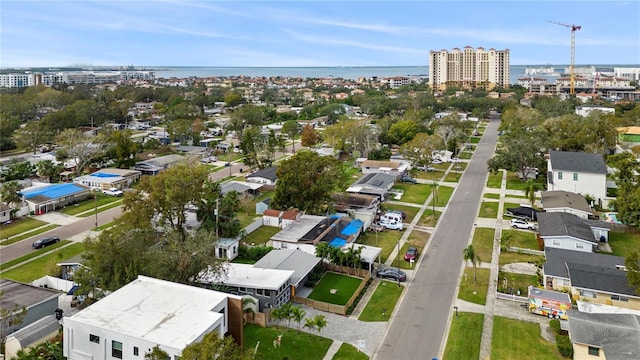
(572, 85)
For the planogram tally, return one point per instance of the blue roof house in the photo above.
(51, 197)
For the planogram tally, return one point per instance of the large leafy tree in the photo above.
(18, 170)
(306, 182)
(50, 170)
(452, 130)
(632, 263)
(309, 136)
(627, 201)
(7, 127)
(10, 192)
(32, 135)
(80, 148)
(420, 150)
(292, 129)
(122, 148)
(213, 347)
(519, 152)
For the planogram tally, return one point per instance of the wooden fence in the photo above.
(365, 275)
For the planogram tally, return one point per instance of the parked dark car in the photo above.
(392, 274)
(409, 179)
(40, 243)
(411, 254)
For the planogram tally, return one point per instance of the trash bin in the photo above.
(240, 169)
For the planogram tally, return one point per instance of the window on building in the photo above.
(594, 351)
(94, 338)
(116, 349)
(136, 351)
(556, 242)
(559, 175)
(579, 246)
(575, 176)
(260, 292)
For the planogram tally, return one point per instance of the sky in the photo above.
(310, 33)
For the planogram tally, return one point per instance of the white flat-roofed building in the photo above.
(148, 312)
(272, 287)
(109, 178)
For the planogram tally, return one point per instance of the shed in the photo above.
(31, 335)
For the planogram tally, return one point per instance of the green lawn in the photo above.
(489, 209)
(418, 239)
(465, 155)
(427, 175)
(464, 336)
(483, 243)
(512, 339)
(522, 239)
(508, 257)
(40, 267)
(474, 292)
(474, 139)
(428, 218)
(514, 183)
(623, 244)
(491, 196)
(494, 180)
(345, 286)
(90, 204)
(410, 211)
(349, 352)
(264, 195)
(414, 193)
(516, 281)
(28, 234)
(386, 240)
(19, 226)
(293, 343)
(382, 302)
(261, 235)
(443, 194)
(453, 176)
(510, 205)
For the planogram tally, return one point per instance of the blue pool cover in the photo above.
(352, 228)
(103, 175)
(54, 191)
(337, 242)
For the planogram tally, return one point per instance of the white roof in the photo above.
(368, 254)
(158, 311)
(245, 275)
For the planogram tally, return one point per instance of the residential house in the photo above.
(262, 205)
(309, 230)
(395, 168)
(300, 262)
(42, 199)
(442, 155)
(357, 206)
(556, 274)
(272, 287)
(376, 184)
(567, 231)
(147, 312)
(155, 165)
(585, 110)
(604, 336)
(602, 285)
(242, 187)
(577, 172)
(104, 179)
(265, 176)
(565, 201)
(39, 302)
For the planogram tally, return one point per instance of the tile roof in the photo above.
(578, 162)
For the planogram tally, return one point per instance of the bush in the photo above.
(315, 276)
(254, 252)
(564, 346)
(555, 326)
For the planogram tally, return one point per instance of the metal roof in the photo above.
(289, 259)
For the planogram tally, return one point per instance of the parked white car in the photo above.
(521, 224)
(393, 225)
(455, 160)
(113, 192)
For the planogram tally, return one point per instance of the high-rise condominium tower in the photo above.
(468, 68)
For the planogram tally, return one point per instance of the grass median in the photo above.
(294, 344)
(349, 352)
(512, 339)
(465, 335)
(381, 304)
(19, 226)
(29, 234)
(41, 266)
(475, 292)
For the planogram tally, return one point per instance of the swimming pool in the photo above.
(613, 218)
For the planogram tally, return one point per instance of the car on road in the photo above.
(521, 224)
(40, 243)
(392, 274)
(411, 254)
(113, 192)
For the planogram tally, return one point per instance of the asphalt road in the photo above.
(20, 248)
(418, 328)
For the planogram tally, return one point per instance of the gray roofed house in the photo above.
(155, 165)
(299, 261)
(265, 176)
(590, 281)
(567, 231)
(565, 201)
(31, 335)
(242, 187)
(615, 335)
(556, 273)
(577, 172)
(373, 184)
(39, 302)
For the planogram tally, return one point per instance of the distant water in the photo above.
(344, 72)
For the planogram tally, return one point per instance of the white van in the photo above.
(391, 217)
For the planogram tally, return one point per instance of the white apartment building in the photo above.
(72, 77)
(468, 68)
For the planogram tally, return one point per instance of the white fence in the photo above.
(53, 283)
(511, 297)
(253, 226)
(525, 251)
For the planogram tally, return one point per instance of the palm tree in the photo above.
(310, 323)
(530, 188)
(247, 308)
(470, 255)
(321, 323)
(298, 315)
